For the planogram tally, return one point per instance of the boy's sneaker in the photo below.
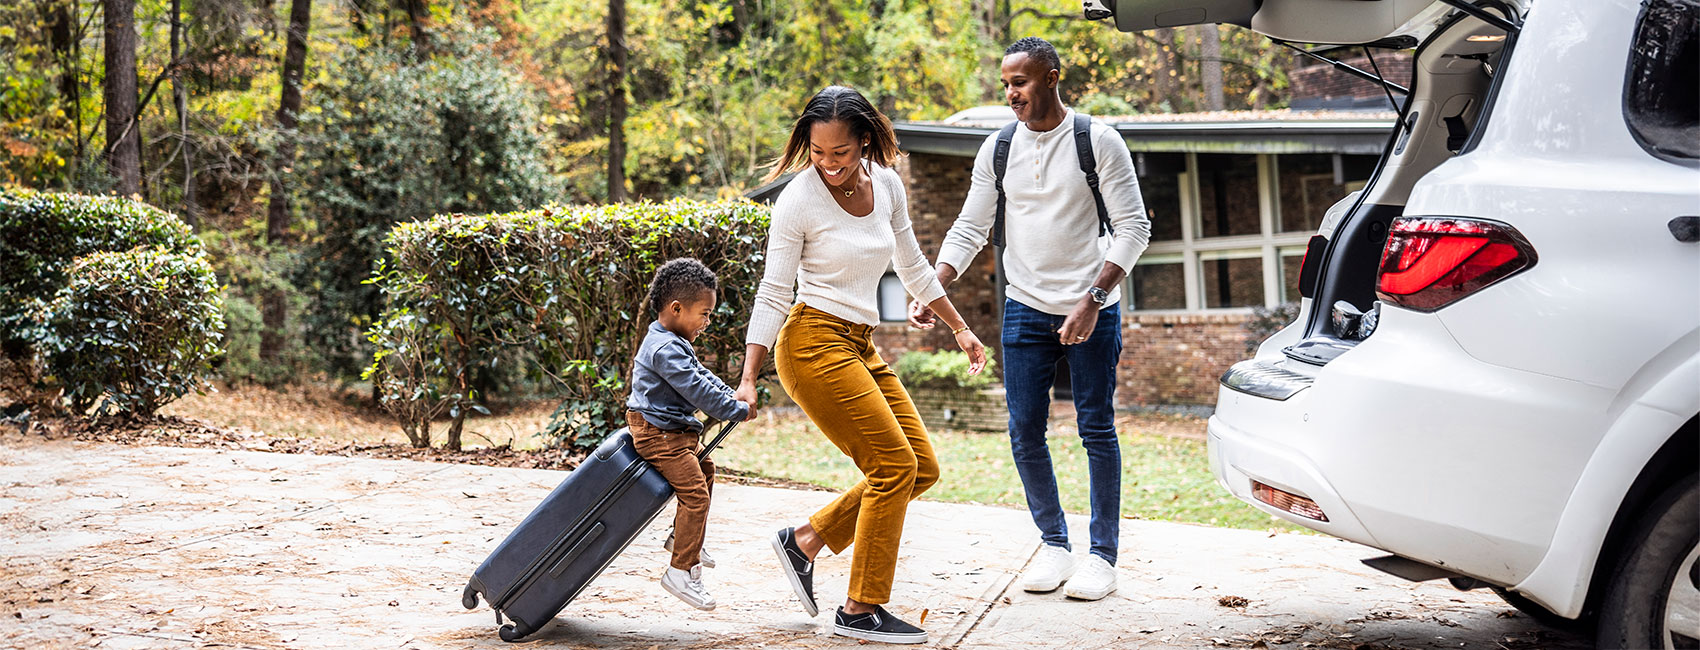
(799, 571)
(687, 585)
(703, 557)
(878, 625)
(1095, 580)
(1050, 567)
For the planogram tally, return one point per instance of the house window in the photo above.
(1246, 221)
(1157, 282)
(1231, 278)
(893, 299)
(1309, 183)
(1228, 192)
(1161, 176)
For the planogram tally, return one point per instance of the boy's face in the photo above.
(688, 318)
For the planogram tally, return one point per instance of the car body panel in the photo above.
(1499, 436)
(1303, 21)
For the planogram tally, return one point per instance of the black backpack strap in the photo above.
(1088, 166)
(1000, 161)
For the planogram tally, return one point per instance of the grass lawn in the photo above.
(1164, 477)
(1165, 471)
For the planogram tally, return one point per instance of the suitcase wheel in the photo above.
(469, 597)
(511, 634)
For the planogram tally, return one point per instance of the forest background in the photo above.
(293, 134)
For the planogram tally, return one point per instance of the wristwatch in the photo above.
(1099, 296)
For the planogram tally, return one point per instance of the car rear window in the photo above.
(1661, 97)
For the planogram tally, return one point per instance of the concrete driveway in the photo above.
(155, 547)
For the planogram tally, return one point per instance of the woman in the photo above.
(835, 226)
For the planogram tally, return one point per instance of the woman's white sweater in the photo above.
(820, 255)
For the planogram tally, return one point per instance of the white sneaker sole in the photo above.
(1044, 587)
(791, 576)
(879, 637)
(1082, 594)
(682, 595)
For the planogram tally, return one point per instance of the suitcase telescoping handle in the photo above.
(725, 427)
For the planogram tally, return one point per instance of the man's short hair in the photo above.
(680, 279)
(1037, 48)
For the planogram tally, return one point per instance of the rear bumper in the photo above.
(1238, 457)
(1410, 445)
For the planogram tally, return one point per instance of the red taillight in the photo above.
(1432, 262)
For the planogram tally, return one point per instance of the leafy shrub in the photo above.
(944, 370)
(134, 330)
(43, 233)
(563, 287)
(1265, 322)
(249, 269)
(399, 140)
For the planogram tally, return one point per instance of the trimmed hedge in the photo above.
(134, 330)
(114, 296)
(560, 287)
(43, 233)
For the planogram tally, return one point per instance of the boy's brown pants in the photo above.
(673, 453)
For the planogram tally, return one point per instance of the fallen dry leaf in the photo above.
(1232, 601)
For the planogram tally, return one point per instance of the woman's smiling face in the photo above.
(836, 152)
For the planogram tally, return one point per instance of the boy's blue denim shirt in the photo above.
(669, 385)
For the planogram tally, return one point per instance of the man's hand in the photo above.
(975, 349)
(1077, 327)
(921, 316)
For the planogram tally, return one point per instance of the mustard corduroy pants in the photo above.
(830, 367)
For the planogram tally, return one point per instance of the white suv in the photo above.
(1495, 372)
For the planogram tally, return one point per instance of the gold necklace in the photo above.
(852, 190)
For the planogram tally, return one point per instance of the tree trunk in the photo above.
(992, 15)
(64, 38)
(417, 13)
(452, 442)
(1168, 69)
(616, 100)
(274, 311)
(1211, 58)
(123, 141)
(180, 97)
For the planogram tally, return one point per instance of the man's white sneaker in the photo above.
(1050, 567)
(687, 585)
(1095, 580)
(702, 556)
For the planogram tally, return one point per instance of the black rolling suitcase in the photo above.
(572, 536)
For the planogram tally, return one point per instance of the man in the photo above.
(1063, 256)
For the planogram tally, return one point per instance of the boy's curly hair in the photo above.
(679, 279)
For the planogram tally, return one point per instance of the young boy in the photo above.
(669, 385)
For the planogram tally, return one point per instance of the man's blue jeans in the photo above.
(1030, 353)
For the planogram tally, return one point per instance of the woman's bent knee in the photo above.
(894, 472)
(926, 474)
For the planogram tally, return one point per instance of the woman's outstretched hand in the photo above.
(746, 393)
(976, 350)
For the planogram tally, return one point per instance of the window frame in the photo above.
(1194, 250)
